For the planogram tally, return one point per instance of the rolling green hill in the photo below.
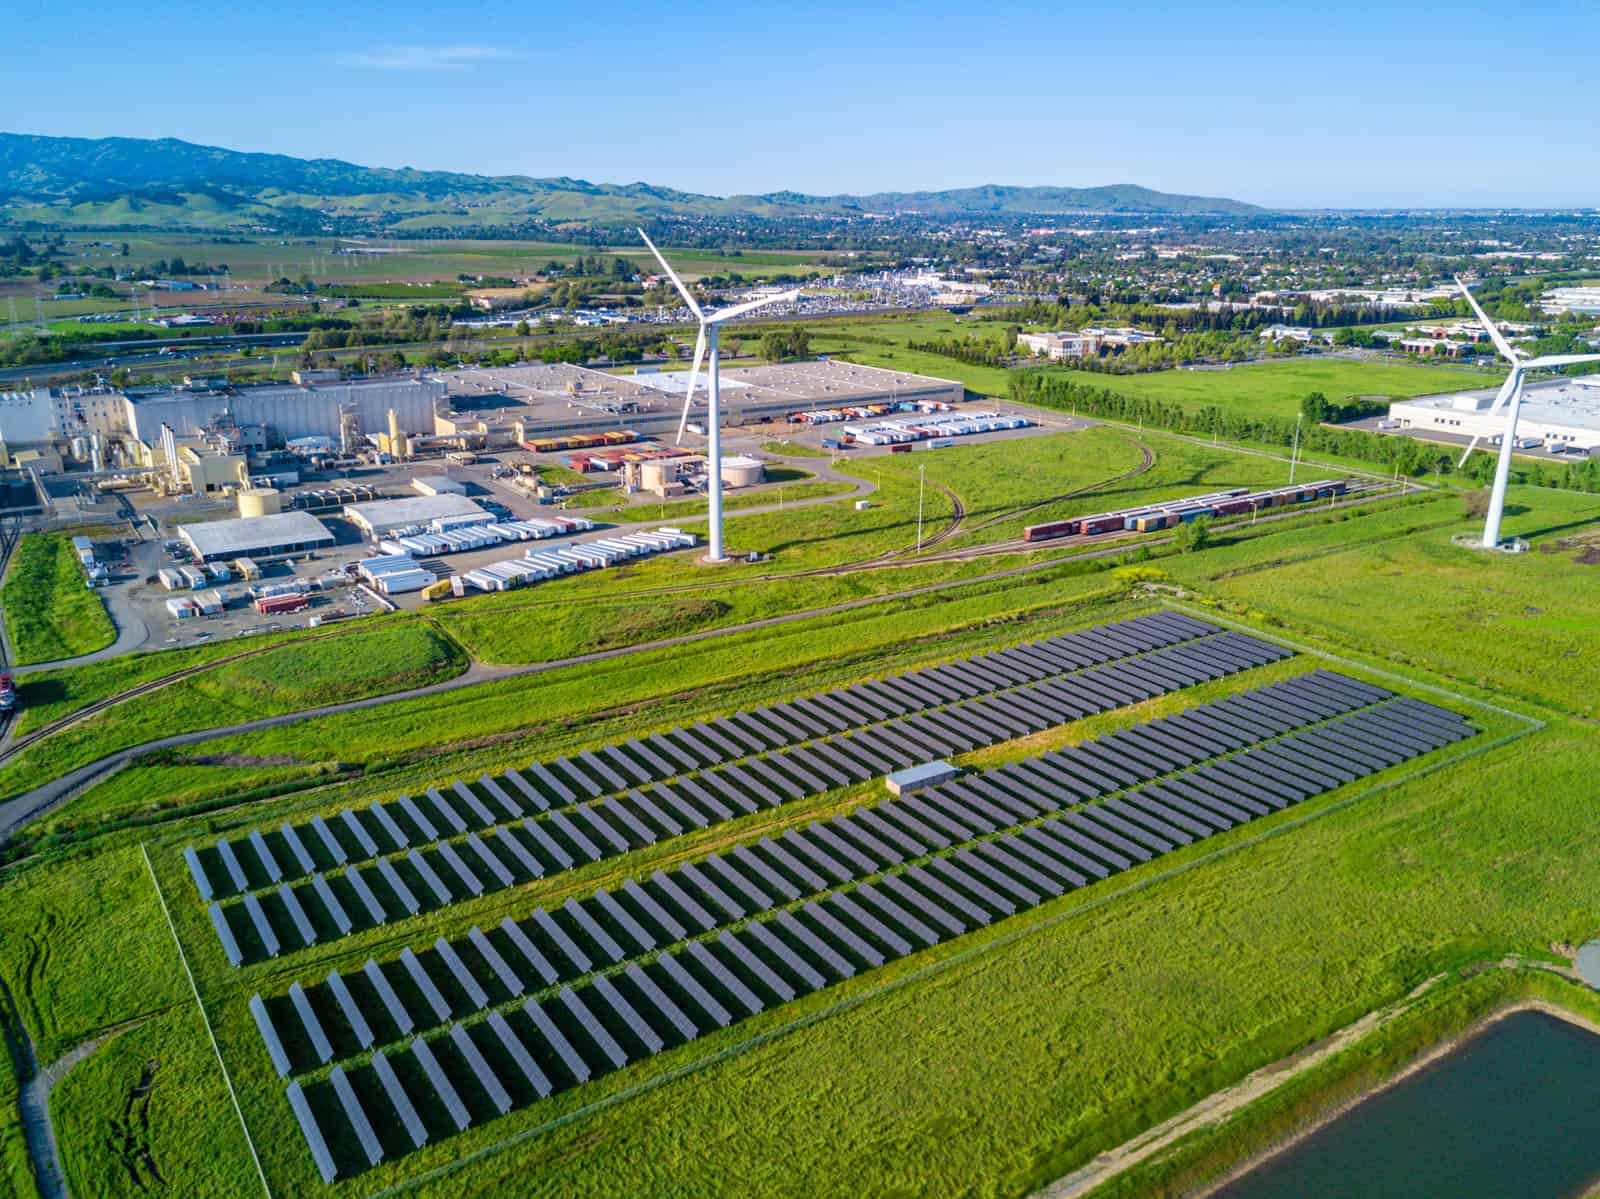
(165, 182)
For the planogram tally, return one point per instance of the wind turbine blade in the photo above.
(673, 275)
(1558, 360)
(1499, 338)
(1471, 445)
(727, 314)
(688, 396)
(1505, 391)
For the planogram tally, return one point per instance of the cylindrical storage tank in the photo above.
(259, 501)
(740, 471)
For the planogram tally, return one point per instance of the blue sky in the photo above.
(1288, 105)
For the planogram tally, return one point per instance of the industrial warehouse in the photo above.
(1561, 416)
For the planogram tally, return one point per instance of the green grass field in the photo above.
(990, 1065)
(50, 612)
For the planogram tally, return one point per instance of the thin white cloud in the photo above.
(421, 58)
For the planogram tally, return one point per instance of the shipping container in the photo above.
(277, 605)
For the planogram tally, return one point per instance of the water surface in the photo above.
(1514, 1111)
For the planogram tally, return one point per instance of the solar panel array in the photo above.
(422, 877)
(845, 895)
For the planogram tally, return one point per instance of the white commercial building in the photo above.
(380, 518)
(1564, 412)
(256, 537)
(295, 411)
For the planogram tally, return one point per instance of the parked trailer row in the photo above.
(1235, 502)
(587, 555)
(476, 537)
(904, 432)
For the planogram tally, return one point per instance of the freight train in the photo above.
(1234, 502)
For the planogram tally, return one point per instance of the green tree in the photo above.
(1194, 535)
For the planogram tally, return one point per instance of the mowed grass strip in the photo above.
(50, 610)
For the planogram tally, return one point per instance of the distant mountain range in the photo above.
(164, 182)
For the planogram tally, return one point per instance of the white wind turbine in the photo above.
(1510, 390)
(708, 336)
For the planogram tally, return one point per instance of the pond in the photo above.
(1514, 1110)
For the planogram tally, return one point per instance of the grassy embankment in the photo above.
(50, 611)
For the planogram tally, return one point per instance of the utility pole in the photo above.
(922, 474)
(1294, 455)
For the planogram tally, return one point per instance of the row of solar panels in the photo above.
(356, 833)
(417, 880)
(733, 885)
(706, 984)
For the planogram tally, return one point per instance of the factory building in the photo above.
(295, 411)
(256, 537)
(381, 518)
(1563, 413)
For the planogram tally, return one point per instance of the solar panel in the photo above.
(764, 874)
(424, 825)
(313, 1134)
(893, 912)
(690, 986)
(584, 774)
(659, 767)
(840, 934)
(291, 903)
(603, 828)
(777, 784)
(399, 1100)
(636, 1024)
(570, 831)
(614, 910)
(547, 844)
(474, 805)
(716, 865)
(352, 1010)
(391, 1002)
(908, 815)
(312, 1025)
(269, 939)
(659, 999)
(424, 984)
(489, 859)
(705, 799)
(269, 1036)
(860, 748)
(1165, 804)
(1149, 826)
(1023, 846)
(683, 901)
(1103, 829)
(967, 875)
(742, 739)
(554, 785)
(528, 950)
(476, 995)
(496, 792)
(519, 1053)
(358, 884)
(680, 807)
(839, 846)
(653, 911)
(859, 833)
(919, 903)
(758, 969)
(1065, 845)
(397, 885)
(709, 733)
(230, 863)
(619, 814)
(591, 929)
(264, 855)
(829, 758)
(622, 765)
(791, 865)
(719, 782)
(509, 843)
(1006, 864)
(874, 821)
(391, 830)
(357, 1117)
(654, 813)
(480, 1068)
(297, 847)
(791, 961)
(446, 809)
(570, 1058)
(441, 1084)
(697, 879)
(943, 894)
(433, 882)
(808, 846)
(564, 943)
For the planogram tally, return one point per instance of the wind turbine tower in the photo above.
(709, 321)
(1511, 395)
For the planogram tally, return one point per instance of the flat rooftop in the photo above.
(411, 510)
(553, 390)
(248, 534)
(1571, 403)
